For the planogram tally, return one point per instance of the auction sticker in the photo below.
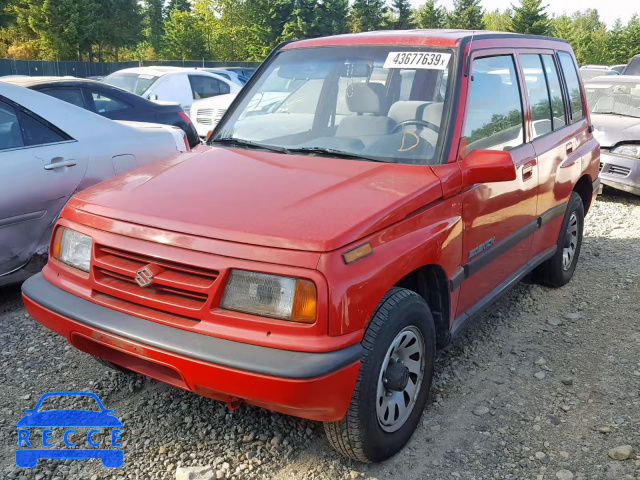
(430, 60)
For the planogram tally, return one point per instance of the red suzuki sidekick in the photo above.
(364, 198)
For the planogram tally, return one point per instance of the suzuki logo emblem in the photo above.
(145, 276)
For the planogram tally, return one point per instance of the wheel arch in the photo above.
(584, 188)
(432, 284)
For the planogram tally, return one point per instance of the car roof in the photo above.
(161, 71)
(33, 81)
(433, 37)
(614, 79)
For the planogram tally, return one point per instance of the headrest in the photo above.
(363, 97)
(404, 110)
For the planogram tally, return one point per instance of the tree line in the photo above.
(115, 30)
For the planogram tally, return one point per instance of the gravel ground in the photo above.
(542, 386)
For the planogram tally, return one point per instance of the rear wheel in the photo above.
(394, 381)
(558, 270)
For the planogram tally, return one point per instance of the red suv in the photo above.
(362, 200)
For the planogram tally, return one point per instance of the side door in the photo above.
(40, 168)
(560, 150)
(499, 219)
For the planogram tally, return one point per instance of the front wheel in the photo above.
(394, 381)
(558, 270)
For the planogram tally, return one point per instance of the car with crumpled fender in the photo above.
(312, 257)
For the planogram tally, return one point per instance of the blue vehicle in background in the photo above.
(68, 418)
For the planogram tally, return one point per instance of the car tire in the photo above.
(398, 356)
(113, 366)
(558, 270)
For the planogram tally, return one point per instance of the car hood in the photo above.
(69, 418)
(613, 129)
(269, 199)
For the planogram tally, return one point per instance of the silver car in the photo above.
(50, 149)
(614, 103)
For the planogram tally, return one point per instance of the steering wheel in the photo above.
(421, 123)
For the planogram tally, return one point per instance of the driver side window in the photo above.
(494, 119)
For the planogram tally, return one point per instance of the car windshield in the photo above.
(614, 98)
(64, 402)
(137, 83)
(364, 102)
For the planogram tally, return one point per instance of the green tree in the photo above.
(632, 36)
(430, 15)
(530, 17)
(266, 20)
(616, 47)
(331, 18)
(183, 37)
(300, 23)
(498, 21)
(402, 15)
(182, 5)
(466, 14)
(119, 25)
(367, 15)
(153, 22)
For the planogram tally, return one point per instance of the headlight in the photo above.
(287, 298)
(628, 150)
(72, 248)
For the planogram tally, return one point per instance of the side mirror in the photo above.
(485, 166)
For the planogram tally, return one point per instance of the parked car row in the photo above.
(51, 149)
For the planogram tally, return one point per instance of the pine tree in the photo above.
(367, 15)
(616, 47)
(430, 15)
(153, 22)
(182, 5)
(402, 15)
(300, 22)
(466, 14)
(183, 37)
(330, 18)
(266, 20)
(632, 36)
(498, 21)
(530, 17)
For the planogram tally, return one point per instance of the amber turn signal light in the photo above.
(304, 302)
(57, 243)
(357, 253)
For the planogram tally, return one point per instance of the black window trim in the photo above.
(19, 108)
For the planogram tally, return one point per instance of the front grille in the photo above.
(205, 112)
(618, 171)
(204, 121)
(179, 289)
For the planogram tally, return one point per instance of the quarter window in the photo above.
(105, 104)
(555, 91)
(534, 78)
(494, 114)
(35, 132)
(576, 111)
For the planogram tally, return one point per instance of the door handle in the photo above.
(527, 170)
(66, 163)
(569, 148)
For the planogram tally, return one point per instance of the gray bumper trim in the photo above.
(241, 356)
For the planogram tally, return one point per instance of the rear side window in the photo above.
(555, 91)
(205, 87)
(107, 104)
(10, 134)
(35, 132)
(494, 118)
(69, 95)
(536, 84)
(576, 110)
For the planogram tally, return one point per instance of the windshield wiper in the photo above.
(247, 143)
(335, 153)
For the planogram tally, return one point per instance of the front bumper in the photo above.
(620, 172)
(317, 386)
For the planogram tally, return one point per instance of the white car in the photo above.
(175, 84)
(205, 114)
(50, 149)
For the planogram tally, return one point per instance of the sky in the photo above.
(608, 10)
